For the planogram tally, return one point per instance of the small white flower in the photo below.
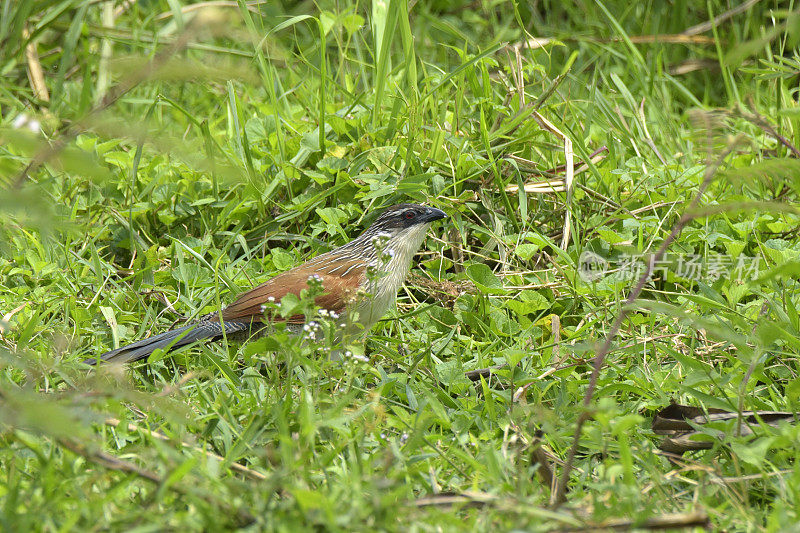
(306, 327)
(271, 299)
(334, 315)
(323, 312)
(357, 357)
(25, 121)
(263, 308)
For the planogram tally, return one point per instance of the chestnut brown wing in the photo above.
(340, 277)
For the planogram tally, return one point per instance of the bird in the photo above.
(359, 283)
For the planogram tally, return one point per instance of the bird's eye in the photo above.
(409, 215)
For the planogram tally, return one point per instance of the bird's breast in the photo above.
(389, 274)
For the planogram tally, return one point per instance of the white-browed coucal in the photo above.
(359, 281)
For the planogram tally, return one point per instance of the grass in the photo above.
(182, 154)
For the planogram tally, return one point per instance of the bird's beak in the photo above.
(433, 214)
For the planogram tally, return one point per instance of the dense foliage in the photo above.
(158, 157)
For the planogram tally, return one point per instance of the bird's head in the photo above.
(401, 218)
(401, 228)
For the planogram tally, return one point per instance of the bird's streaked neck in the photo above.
(392, 261)
(386, 250)
(402, 247)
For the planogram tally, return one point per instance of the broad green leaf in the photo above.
(483, 278)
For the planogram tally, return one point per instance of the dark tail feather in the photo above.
(173, 339)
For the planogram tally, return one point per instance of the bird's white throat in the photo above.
(391, 269)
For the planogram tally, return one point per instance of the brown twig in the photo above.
(581, 166)
(665, 521)
(499, 119)
(762, 123)
(647, 137)
(749, 477)
(556, 184)
(540, 42)
(687, 217)
(6, 318)
(628, 130)
(107, 460)
(555, 330)
(485, 373)
(247, 472)
(653, 207)
(454, 238)
(706, 26)
(602, 198)
(106, 51)
(122, 7)
(693, 65)
(519, 394)
(251, 6)
(111, 462)
(449, 499)
(569, 174)
(545, 472)
(35, 72)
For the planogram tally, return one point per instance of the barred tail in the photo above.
(169, 340)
